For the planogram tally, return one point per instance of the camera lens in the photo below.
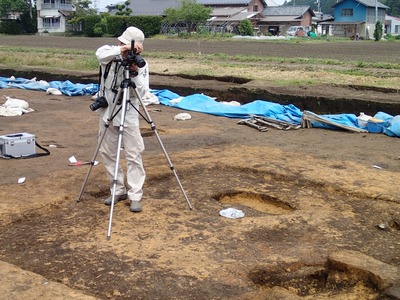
(139, 61)
(100, 102)
(94, 106)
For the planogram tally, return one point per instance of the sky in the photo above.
(101, 4)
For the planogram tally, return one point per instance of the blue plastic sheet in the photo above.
(288, 113)
(74, 89)
(205, 104)
(391, 123)
(393, 128)
(66, 87)
(344, 119)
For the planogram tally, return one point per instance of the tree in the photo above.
(394, 7)
(246, 27)
(19, 15)
(189, 12)
(11, 7)
(123, 9)
(378, 31)
(82, 9)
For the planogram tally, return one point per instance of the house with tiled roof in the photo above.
(157, 7)
(276, 20)
(225, 15)
(229, 23)
(251, 6)
(146, 7)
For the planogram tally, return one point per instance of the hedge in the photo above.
(11, 27)
(115, 25)
(89, 23)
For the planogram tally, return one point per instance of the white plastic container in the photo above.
(362, 120)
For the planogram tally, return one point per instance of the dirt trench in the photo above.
(306, 195)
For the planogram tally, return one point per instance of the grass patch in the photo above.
(353, 72)
(78, 59)
(68, 59)
(266, 59)
(277, 70)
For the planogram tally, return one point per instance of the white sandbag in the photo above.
(53, 91)
(182, 117)
(14, 107)
(150, 98)
(12, 102)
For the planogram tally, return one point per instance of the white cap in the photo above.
(131, 33)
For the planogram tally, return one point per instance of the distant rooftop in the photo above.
(288, 10)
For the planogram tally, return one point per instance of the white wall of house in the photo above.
(392, 25)
(49, 17)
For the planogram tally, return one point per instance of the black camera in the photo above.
(100, 102)
(134, 58)
(138, 60)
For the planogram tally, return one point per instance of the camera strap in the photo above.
(107, 70)
(105, 74)
(115, 79)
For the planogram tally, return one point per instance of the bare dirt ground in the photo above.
(306, 194)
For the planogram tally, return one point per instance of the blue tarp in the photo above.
(344, 119)
(66, 87)
(288, 113)
(205, 104)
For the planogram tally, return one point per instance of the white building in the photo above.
(52, 15)
(392, 25)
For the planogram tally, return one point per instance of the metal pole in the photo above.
(125, 99)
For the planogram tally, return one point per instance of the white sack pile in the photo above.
(14, 107)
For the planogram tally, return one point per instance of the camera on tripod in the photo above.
(133, 58)
(99, 102)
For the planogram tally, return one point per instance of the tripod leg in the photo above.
(171, 166)
(115, 180)
(92, 162)
(117, 161)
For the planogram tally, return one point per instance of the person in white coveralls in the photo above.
(112, 74)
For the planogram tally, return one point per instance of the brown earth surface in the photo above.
(306, 194)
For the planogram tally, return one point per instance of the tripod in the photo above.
(124, 90)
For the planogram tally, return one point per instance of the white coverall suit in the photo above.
(132, 140)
